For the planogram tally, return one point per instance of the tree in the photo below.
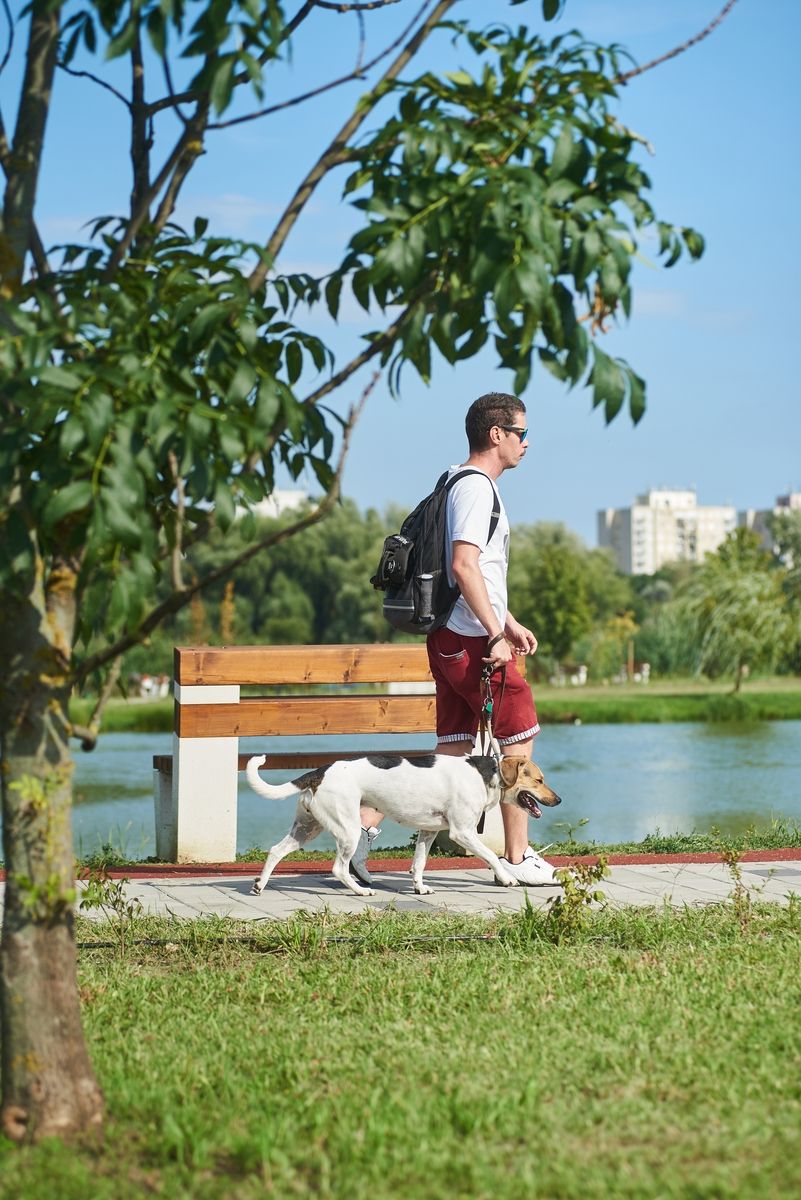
(152, 379)
(735, 610)
(785, 528)
(548, 586)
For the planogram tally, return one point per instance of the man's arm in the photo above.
(467, 574)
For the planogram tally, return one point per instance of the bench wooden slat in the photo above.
(298, 761)
(245, 665)
(274, 716)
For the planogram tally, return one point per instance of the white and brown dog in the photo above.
(430, 793)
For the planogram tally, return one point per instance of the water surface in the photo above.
(627, 780)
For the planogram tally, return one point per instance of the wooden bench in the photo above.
(196, 787)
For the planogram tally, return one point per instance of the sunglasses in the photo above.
(521, 433)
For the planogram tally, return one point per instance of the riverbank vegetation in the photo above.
(342, 1055)
(770, 699)
(734, 616)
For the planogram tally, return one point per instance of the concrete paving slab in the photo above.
(469, 890)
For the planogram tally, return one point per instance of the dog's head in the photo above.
(522, 783)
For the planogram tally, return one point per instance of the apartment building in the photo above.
(663, 526)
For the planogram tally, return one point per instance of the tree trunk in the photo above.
(48, 1085)
(738, 678)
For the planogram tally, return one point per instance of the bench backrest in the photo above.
(198, 667)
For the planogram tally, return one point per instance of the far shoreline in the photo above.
(613, 704)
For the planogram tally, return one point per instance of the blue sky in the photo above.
(715, 340)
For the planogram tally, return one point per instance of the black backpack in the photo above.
(412, 569)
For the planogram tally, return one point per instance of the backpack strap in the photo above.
(495, 517)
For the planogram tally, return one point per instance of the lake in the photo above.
(627, 780)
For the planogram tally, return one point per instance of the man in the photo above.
(481, 629)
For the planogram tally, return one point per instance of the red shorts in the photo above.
(456, 663)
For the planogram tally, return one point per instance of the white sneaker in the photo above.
(533, 871)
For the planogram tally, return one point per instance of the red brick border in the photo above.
(322, 866)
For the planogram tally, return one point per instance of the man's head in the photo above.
(498, 412)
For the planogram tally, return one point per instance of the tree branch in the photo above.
(26, 152)
(90, 733)
(188, 142)
(184, 165)
(36, 246)
(349, 8)
(693, 41)
(177, 600)
(173, 100)
(10, 46)
(338, 149)
(180, 516)
(358, 72)
(95, 79)
(140, 142)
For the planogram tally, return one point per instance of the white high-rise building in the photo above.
(663, 526)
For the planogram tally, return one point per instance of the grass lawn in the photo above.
(653, 1054)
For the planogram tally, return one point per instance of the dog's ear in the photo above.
(510, 769)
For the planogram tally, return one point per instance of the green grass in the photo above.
(647, 705)
(655, 1054)
(777, 834)
(668, 700)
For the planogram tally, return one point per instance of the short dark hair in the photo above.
(496, 408)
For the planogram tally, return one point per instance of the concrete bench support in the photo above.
(196, 813)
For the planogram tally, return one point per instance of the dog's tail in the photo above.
(270, 791)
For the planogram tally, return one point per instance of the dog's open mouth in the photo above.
(527, 801)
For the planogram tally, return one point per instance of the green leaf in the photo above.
(694, 242)
(71, 435)
(294, 361)
(241, 384)
(122, 43)
(636, 395)
(608, 384)
(70, 499)
(157, 31)
(209, 316)
(268, 403)
(59, 377)
(460, 78)
(361, 288)
(121, 523)
(563, 153)
(332, 292)
(224, 505)
(222, 85)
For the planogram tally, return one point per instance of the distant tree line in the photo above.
(739, 611)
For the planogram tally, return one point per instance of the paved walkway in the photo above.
(455, 891)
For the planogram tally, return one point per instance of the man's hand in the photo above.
(500, 653)
(522, 640)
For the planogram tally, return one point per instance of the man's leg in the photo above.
(370, 818)
(515, 820)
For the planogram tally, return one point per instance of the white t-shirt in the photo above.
(470, 505)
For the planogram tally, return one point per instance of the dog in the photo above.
(430, 793)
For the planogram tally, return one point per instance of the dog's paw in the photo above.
(256, 890)
(423, 889)
(507, 880)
